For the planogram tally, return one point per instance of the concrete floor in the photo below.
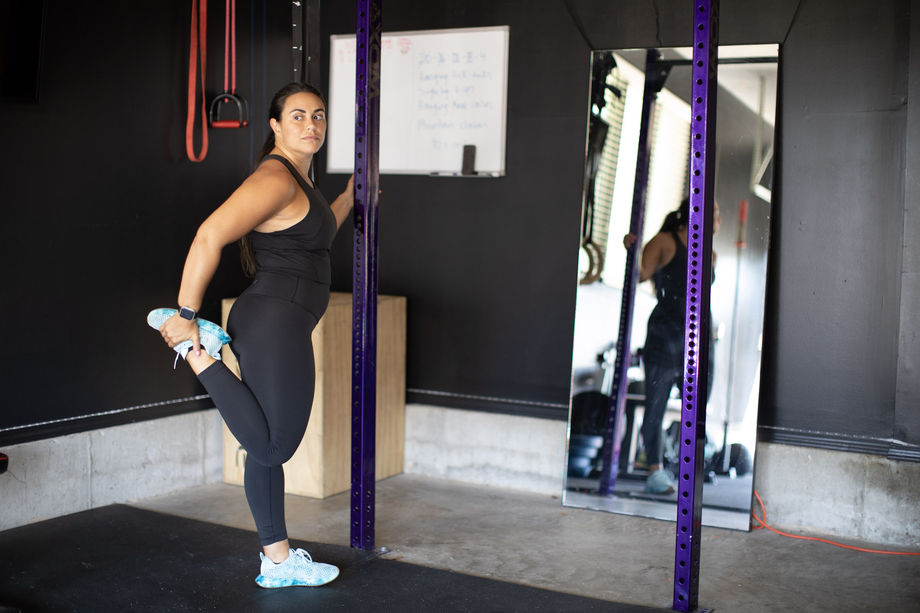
(531, 539)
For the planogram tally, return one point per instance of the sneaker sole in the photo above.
(665, 492)
(269, 583)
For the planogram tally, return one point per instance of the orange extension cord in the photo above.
(763, 524)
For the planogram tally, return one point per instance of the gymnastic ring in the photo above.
(228, 123)
(595, 262)
(584, 280)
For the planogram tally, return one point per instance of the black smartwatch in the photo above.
(187, 313)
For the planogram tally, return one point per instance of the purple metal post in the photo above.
(697, 324)
(617, 410)
(364, 376)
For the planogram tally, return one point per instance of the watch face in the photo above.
(186, 313)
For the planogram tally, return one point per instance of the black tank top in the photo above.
(664, 343)
(301, 250)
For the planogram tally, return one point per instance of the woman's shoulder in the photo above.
(272, 167)
(271, 181)
(663, 240)
(273, 172)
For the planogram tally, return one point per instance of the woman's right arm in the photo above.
(262, 196)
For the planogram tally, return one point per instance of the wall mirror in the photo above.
(744, 171)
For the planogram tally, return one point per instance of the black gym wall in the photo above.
(101, 205)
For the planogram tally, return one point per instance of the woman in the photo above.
(664, 260)
(285, 228)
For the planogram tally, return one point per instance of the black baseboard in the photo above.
(839, 442)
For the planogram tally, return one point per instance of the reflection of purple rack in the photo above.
(364, 377)
(697, 325)
(655, 75)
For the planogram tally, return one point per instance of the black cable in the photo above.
(794, 17)
(657, 23)
(578, 24)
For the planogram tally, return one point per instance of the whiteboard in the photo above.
(439, 90)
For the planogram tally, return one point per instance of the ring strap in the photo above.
(196, 43)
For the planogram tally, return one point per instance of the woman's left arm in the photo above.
(343, 205)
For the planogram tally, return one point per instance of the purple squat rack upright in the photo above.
(364, 349)
(697, 324)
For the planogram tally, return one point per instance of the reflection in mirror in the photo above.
(744, 146)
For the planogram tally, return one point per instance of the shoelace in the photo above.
(305, 556)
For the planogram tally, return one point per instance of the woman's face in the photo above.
(302, 128)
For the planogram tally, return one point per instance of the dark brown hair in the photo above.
(675, 220)
(247, 253)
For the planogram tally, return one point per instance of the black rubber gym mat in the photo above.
(122, 559)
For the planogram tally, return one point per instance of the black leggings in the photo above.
(658, 383)
(271, 324)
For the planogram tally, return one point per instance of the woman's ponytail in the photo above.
(675, 220)
(247, 252)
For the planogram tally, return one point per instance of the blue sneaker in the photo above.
(298, 569)
(210, 335)
(660, 482)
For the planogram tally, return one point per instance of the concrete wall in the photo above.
(64, 475)
(834, 492)
(522, 453)
(805, 490)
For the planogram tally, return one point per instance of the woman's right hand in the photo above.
(177, 330)
(629, 240)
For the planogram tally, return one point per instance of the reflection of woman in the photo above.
(664, 260)
(287, 229)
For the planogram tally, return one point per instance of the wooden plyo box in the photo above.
(321, 466)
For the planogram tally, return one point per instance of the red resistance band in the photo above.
(192, 77)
